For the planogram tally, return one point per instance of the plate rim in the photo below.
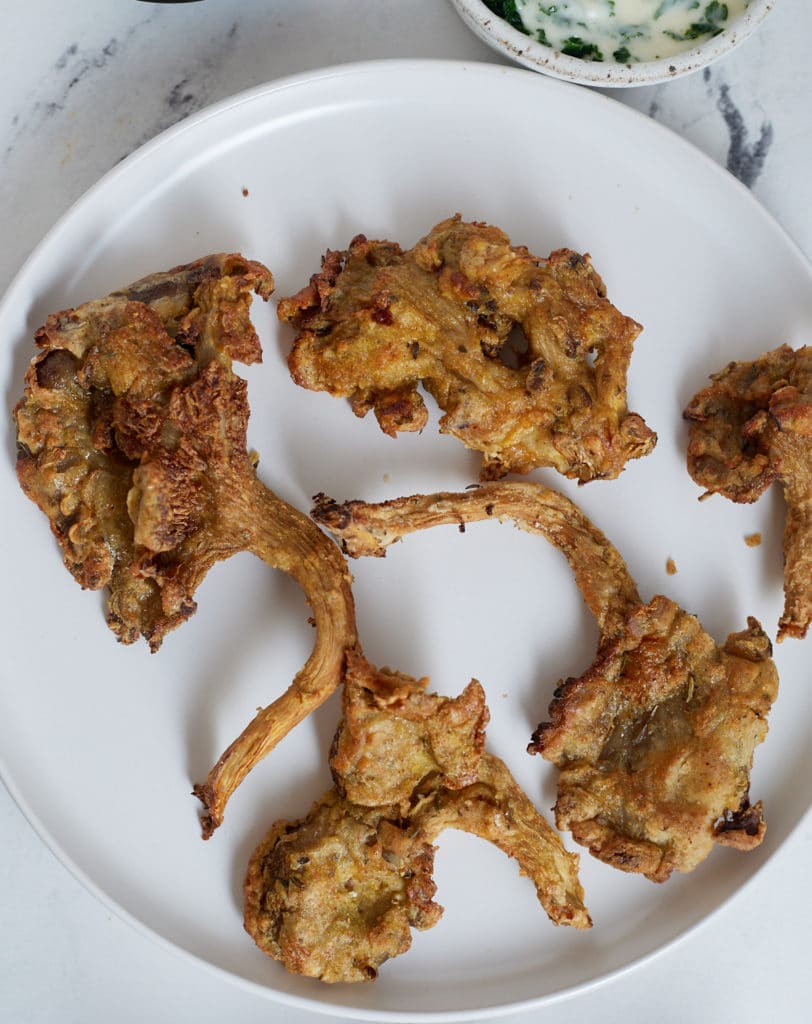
(302, 80)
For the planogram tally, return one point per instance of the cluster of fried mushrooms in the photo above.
(132, 440)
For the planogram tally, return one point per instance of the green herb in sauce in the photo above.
(576, 47)
(713, 23)
(507, 9)
(624, 30)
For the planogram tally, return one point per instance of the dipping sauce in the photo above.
(624, 31)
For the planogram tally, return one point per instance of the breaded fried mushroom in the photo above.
(655, 741)
(393, 735)
(132, 440)
(336, 894)
(376, 322)
(426, 755)
(751, 426)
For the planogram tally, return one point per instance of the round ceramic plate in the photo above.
(101, 742)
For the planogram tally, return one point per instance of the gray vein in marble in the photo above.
(192, 91)
(744, 159)
(74, 65)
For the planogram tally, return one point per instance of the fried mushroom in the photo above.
(751, 426)
(336, 894)
(377, 321)
(425, 754)
(132, 440)
(131, 435)
(655, 741)
(393, 735)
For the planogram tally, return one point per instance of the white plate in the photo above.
(101, 742)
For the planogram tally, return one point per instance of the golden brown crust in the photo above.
(655, 740)
(392, 735)
(753, 425)
(132, 440)
(130, 418)
(366, 528)
(335, 894)
(377, 321)
(496, 809)
(423, 755)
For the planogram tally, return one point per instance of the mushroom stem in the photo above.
(797, 613)
(495, 808)
(600, 572)
(286, 539)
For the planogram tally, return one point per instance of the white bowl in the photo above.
(505, 39)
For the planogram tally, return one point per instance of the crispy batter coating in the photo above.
(425, 754)
(392, 735)
(496, 809)
(128, 403)
(335, 895)
(655, 740)
(377, 321)
(753, 425)
(365, 528)
(132, 440)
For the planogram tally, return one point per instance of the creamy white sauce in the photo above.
(626, 30)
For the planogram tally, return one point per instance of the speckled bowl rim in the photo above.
(505, 39)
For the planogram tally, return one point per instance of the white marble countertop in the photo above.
(84, 84)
